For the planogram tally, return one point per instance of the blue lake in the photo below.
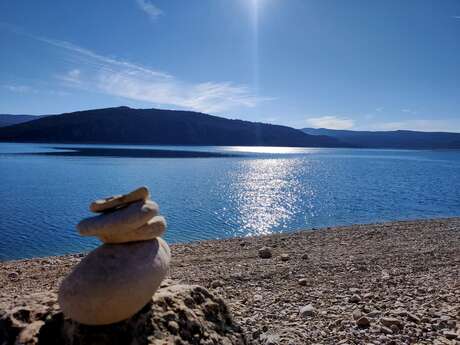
(260, 191)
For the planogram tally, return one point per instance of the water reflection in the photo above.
(266, 194)
(271, 149)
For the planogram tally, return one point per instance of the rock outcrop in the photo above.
(177, 314)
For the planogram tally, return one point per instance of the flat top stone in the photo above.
(111, 202)
(129, 218)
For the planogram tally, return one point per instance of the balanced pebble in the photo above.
(112, 202)
(128, 218)
(155, 227)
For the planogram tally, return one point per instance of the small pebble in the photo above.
(265, 253)
(363, 322)
(173, 326)
(450, 335)
(385, 330)
(303, 281)
(355, 299)
(13, 276)
(307, 311)
(216, 283)
(390, 321)
(357, 314)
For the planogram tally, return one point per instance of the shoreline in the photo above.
(448, 149)
(249, 237)
(407, 270)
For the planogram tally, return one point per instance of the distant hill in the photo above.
(401, 139)
(124, 125)
(8, 120)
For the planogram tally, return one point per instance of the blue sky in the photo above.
(303, 63)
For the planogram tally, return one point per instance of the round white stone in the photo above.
(114, 281)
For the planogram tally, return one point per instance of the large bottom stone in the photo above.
(178, 314)
(114, 281)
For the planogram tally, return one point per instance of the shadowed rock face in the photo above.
(177, 314)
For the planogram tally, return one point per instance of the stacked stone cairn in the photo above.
(117, 279)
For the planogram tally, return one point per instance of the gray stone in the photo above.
(303, 281)
(307, 311)
(413, 318)
(390, 321)
(355, 299)
(13, 276)
(374, 313)
(450, 335)
(269, 339)
(217, 283)
(386, 330)
(284, 257)
(357, 314)
(363, 322)
(265, 252)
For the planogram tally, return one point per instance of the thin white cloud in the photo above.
(18, 88)
(330, 122)
(409, 111)
(33, 90)
(148, 7)
(88, 57)
(207, 97)
(456, 17)
(98, 73)
(72, 76)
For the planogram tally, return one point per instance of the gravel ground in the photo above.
(389, 283)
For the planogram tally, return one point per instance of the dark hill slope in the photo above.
(9, 120)
(124, 125)
(391, 139)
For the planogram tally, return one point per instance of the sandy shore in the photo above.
(390, 283)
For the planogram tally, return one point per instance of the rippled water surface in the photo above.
(259, 191)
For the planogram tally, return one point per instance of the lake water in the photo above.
(258, 191)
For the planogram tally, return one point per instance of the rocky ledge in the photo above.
(178, 314)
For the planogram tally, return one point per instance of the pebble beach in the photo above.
(387, 283)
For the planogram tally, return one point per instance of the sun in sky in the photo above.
(350, 65)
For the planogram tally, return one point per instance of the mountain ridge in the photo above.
(124, 125)
(397, 139)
